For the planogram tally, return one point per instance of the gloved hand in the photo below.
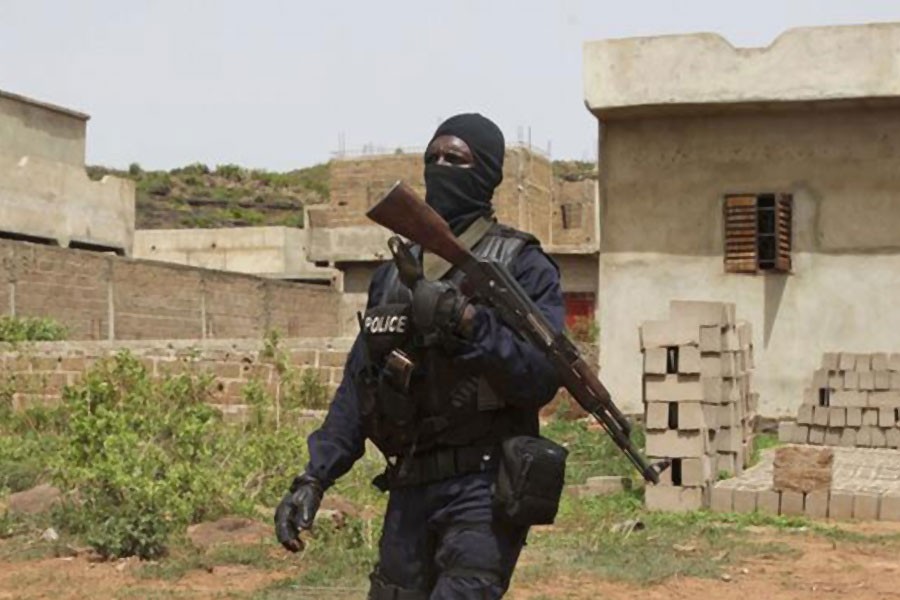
(438, 307)
(297, 511)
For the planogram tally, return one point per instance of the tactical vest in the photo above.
(446, 404)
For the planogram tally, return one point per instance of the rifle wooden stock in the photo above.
(403, 212)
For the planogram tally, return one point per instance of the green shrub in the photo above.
(135, 170)
(139, 457)
(230, 172)
(31, 329)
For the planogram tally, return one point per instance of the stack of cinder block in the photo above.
(699, 409)
(854, 401)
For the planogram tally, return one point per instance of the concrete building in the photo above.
(45, 193)
(562, 214)
(769, 177)
(273, 252)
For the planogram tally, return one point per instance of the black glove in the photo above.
(437, 307)
(297, 511)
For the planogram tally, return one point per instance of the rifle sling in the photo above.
(435, 267)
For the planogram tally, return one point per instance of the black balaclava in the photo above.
(461, 195)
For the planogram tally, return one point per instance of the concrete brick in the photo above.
(863, 363)
(879, 361)
(865, 506)
(729, 440)
(895, 380)
(892, 438)
(831, 361)
(815, 505)
(605, 485)
(655, 361)
(673, 499)
(820, 378)
(657, 415)
(664, 334)
(887, 417)
(882, 380)
(805, 415)
(837, 417)
(848, 437)
(727, 414)
(816, 435)
(864, 437)
(691, 416)
(889, 399)
(768, 502)
(786, 431)
(672, 388)
(696, 472)
(866, 380)
(879, 439)
(689, 360)
(745, 333)
(848, 398)
(677, 444)
(833, 436)
(847, 361)
(851, 380)
(889, 509)
(711, 338)
(821, 415)
(744, 500)
(801, 434)
(722, 499)
(726, 462)
(870, 417)
(836, 381)
(854, 417)
(894, 362)
(840, 506)
(792, 504)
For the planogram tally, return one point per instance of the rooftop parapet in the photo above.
(703, 72)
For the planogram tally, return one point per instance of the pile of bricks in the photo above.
(818, 482)
(700, 411)
(854, 401)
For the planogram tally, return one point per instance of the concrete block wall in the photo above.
(853, 401)
(99, 296)
(699, 408)
(36, 374)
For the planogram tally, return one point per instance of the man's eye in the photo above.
(454, 159)
(430, 158)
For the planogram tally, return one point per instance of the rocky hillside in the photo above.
(226, 196)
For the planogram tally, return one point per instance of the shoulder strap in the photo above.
(435, 267)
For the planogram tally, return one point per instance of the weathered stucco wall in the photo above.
(44, 190)
(662, 184)
(31, 128)
(277, 252)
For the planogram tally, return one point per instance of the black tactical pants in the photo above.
(440, 541)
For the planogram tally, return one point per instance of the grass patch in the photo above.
(185, 559)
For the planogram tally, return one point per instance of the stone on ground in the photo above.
(803, 469)
(38, 500)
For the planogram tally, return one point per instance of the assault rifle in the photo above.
(404, 213)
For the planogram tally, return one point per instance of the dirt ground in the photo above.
(821, 569)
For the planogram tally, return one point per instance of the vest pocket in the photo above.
(530, 480)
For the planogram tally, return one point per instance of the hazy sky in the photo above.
(276, 84)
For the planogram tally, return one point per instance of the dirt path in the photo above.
(821, 570)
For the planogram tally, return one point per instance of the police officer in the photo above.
(437, 381)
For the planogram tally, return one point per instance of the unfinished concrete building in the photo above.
(45, 193)
(562, 214)
(766, 177)
(275, 252)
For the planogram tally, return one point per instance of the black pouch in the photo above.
(530, 480)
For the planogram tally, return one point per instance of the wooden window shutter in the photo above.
(784, 206)
(740, 234)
